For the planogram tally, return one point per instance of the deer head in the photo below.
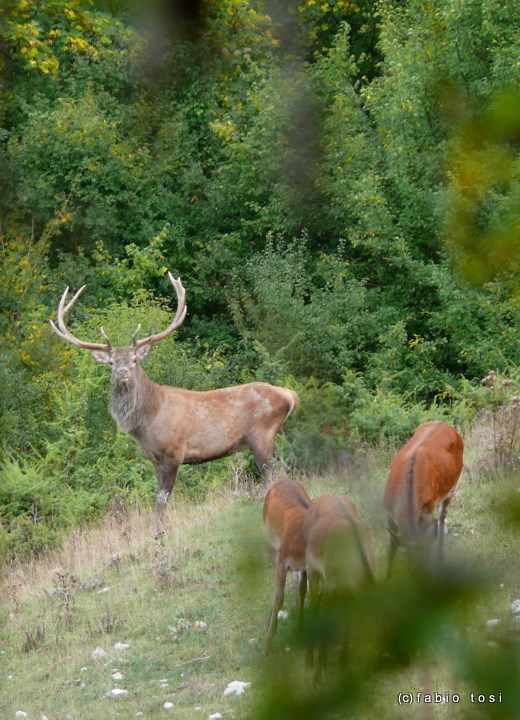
(123, 361)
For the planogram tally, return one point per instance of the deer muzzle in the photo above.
(123, 374)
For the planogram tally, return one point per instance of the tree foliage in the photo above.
(336, 183)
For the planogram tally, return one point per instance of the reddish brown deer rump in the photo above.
(172, 425)
(424, 474)
(339, 559)
(285, 508)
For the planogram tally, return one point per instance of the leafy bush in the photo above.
(37, 507)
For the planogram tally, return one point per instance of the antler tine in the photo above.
(181, 294)
(102, 329)
(177, 320)
(58, 332)
(134, 336)
(71, 303)
(64, 333)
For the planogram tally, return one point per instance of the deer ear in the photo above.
(143, 351)
(100, 356)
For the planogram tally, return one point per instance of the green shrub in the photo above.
(36, 508)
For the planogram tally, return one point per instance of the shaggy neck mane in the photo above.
(134, 402)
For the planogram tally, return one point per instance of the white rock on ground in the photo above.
(168, 705)
(120, 646)
(99, 654)
(201, 626)
(236, 687)
(515, 607)
(493, 622)
(116, 692)
(215, 716)
(117, 676)
(20, 714)
(283, 614)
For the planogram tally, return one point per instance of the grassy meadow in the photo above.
(112, 583)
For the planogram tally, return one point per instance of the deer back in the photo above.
(425, 471)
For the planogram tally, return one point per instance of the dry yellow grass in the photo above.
(115, 536)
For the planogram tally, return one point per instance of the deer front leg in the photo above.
(166, 470)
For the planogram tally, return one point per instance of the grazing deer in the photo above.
(339, 559)
(173, 426)
(285, 509)
(423, 474)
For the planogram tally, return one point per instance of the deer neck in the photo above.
(133, 403)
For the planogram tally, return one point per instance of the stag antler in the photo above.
(63, 332)
(177, 320)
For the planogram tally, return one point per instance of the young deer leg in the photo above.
(440, 529)
(322, 651)
(280, 576)
(392, 548)
(302, 590)
(314, 596)
(166, 471)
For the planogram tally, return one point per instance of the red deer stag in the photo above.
(339, 559)
(423, 474)
(173, 426)
(285, 508)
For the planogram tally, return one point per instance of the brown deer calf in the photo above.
(173, 426)
(424, 474)
(339, 559)
(285, 508)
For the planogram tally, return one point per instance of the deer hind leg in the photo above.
(262, 449)
(280, 576)
(166, 470)
(442, 520)
(323, 641)
(393, 545)
(300, 598)
(314, 595)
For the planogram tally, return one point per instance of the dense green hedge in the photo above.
(338, 187)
